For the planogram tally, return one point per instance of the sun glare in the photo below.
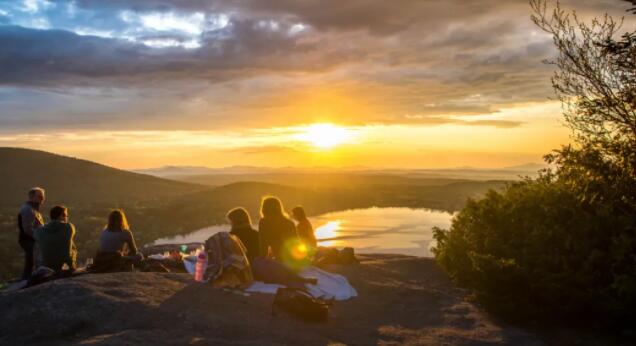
(326, 233)
(324, 136)
(328, 230)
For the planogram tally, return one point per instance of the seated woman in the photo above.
(276, 231)
(264, 269)
(303, 228)
(116, 242)
(242, 228)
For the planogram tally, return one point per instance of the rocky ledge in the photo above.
(402, 300)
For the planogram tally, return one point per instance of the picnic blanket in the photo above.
(330, 286)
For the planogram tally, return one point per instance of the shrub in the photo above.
(537, 251)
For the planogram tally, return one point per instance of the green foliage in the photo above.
(559, 247)
(538, 250)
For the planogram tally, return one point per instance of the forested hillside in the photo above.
(75, 181)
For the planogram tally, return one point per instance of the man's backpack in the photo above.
(228, 265)
(300, 303)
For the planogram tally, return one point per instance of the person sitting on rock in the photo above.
(303, 228)
(117, 238)
(278, 237)
(242, 228)
(55, 241)
(264, 269)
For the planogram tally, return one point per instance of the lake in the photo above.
(371, 230)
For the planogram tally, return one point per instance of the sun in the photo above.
(324, 136)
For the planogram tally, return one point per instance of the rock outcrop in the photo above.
(402, 300)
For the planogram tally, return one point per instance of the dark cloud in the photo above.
(375, 16)
(30, 56)
(46, 57)
(435, 59)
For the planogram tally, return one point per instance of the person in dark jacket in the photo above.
(55, 241)
(242, 228)
(277, 232)
(29, 219)
(303, 228)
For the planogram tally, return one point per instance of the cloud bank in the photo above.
(188, 64)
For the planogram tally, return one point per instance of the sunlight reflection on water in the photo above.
(381, 230)
(372, 230)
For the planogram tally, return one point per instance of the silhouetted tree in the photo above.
(596, 82)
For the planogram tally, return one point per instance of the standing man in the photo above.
(30, 219)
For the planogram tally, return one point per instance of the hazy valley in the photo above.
(159, 207)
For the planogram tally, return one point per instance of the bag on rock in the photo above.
(301, 304)
(228, 265)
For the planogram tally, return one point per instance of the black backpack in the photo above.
(300, 303)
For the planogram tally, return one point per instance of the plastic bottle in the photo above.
(199, 268)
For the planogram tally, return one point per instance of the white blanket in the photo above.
(330, 286)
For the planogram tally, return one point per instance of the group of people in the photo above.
(52, 244)
(277, 235)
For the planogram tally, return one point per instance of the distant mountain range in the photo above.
(173, 171)
(224, 175)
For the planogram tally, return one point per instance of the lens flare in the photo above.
(300, 251)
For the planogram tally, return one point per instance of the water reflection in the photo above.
(200, 235)
(327, 232)
(372, 230)
(381, 230)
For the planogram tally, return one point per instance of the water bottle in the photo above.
(199, 268)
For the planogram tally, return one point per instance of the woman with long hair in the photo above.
(276, 231)
(304, 228)
(117, 237)
(241, 224)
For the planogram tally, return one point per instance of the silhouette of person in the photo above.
(29, 219)
(304, 229)
(276, 230)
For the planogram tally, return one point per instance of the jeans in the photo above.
(28, 246)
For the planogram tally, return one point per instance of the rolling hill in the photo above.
(158, 208)
(74, 181)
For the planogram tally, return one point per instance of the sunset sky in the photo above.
(375, 83)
